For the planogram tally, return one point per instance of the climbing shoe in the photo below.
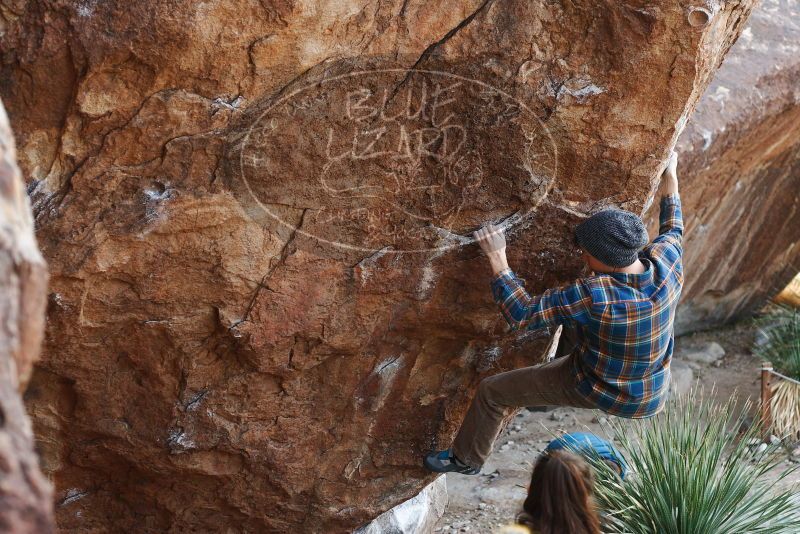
(445, 462)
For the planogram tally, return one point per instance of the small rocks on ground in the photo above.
(708, 353)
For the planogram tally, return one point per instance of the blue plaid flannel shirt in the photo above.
(624, 322)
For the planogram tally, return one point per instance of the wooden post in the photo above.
(766, 399)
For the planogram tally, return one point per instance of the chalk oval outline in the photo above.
(460, 240)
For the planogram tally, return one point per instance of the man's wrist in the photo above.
(498, 274)
(671, 185)
(498, 261)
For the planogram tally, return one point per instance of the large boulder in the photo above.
(25, 494)
(740, 175)
(265, 302)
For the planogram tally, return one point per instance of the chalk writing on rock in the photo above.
(395, 158)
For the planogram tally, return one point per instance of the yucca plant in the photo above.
(692, 474)
(780, 344)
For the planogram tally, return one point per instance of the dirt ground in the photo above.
(484, 502)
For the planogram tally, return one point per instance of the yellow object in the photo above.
(514, 529)
(791, 293)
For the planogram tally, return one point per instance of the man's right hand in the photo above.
(670, 175)
(492, 241)
(490, 238)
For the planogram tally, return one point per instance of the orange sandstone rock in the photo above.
(265, 305)
(740, 175)
(25, 494)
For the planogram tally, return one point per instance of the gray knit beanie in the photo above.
(613, 236)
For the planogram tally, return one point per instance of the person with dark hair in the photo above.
(560, 497)
(623, 317)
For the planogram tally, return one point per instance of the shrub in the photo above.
(780, 340)
(693, 475)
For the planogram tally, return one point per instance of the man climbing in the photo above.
(623, 319)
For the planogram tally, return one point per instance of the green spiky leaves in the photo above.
(694, 474)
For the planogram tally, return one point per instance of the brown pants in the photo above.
(499, 396)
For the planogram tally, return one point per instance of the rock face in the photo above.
(740, 175)
(25, 495)
(265, 305)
